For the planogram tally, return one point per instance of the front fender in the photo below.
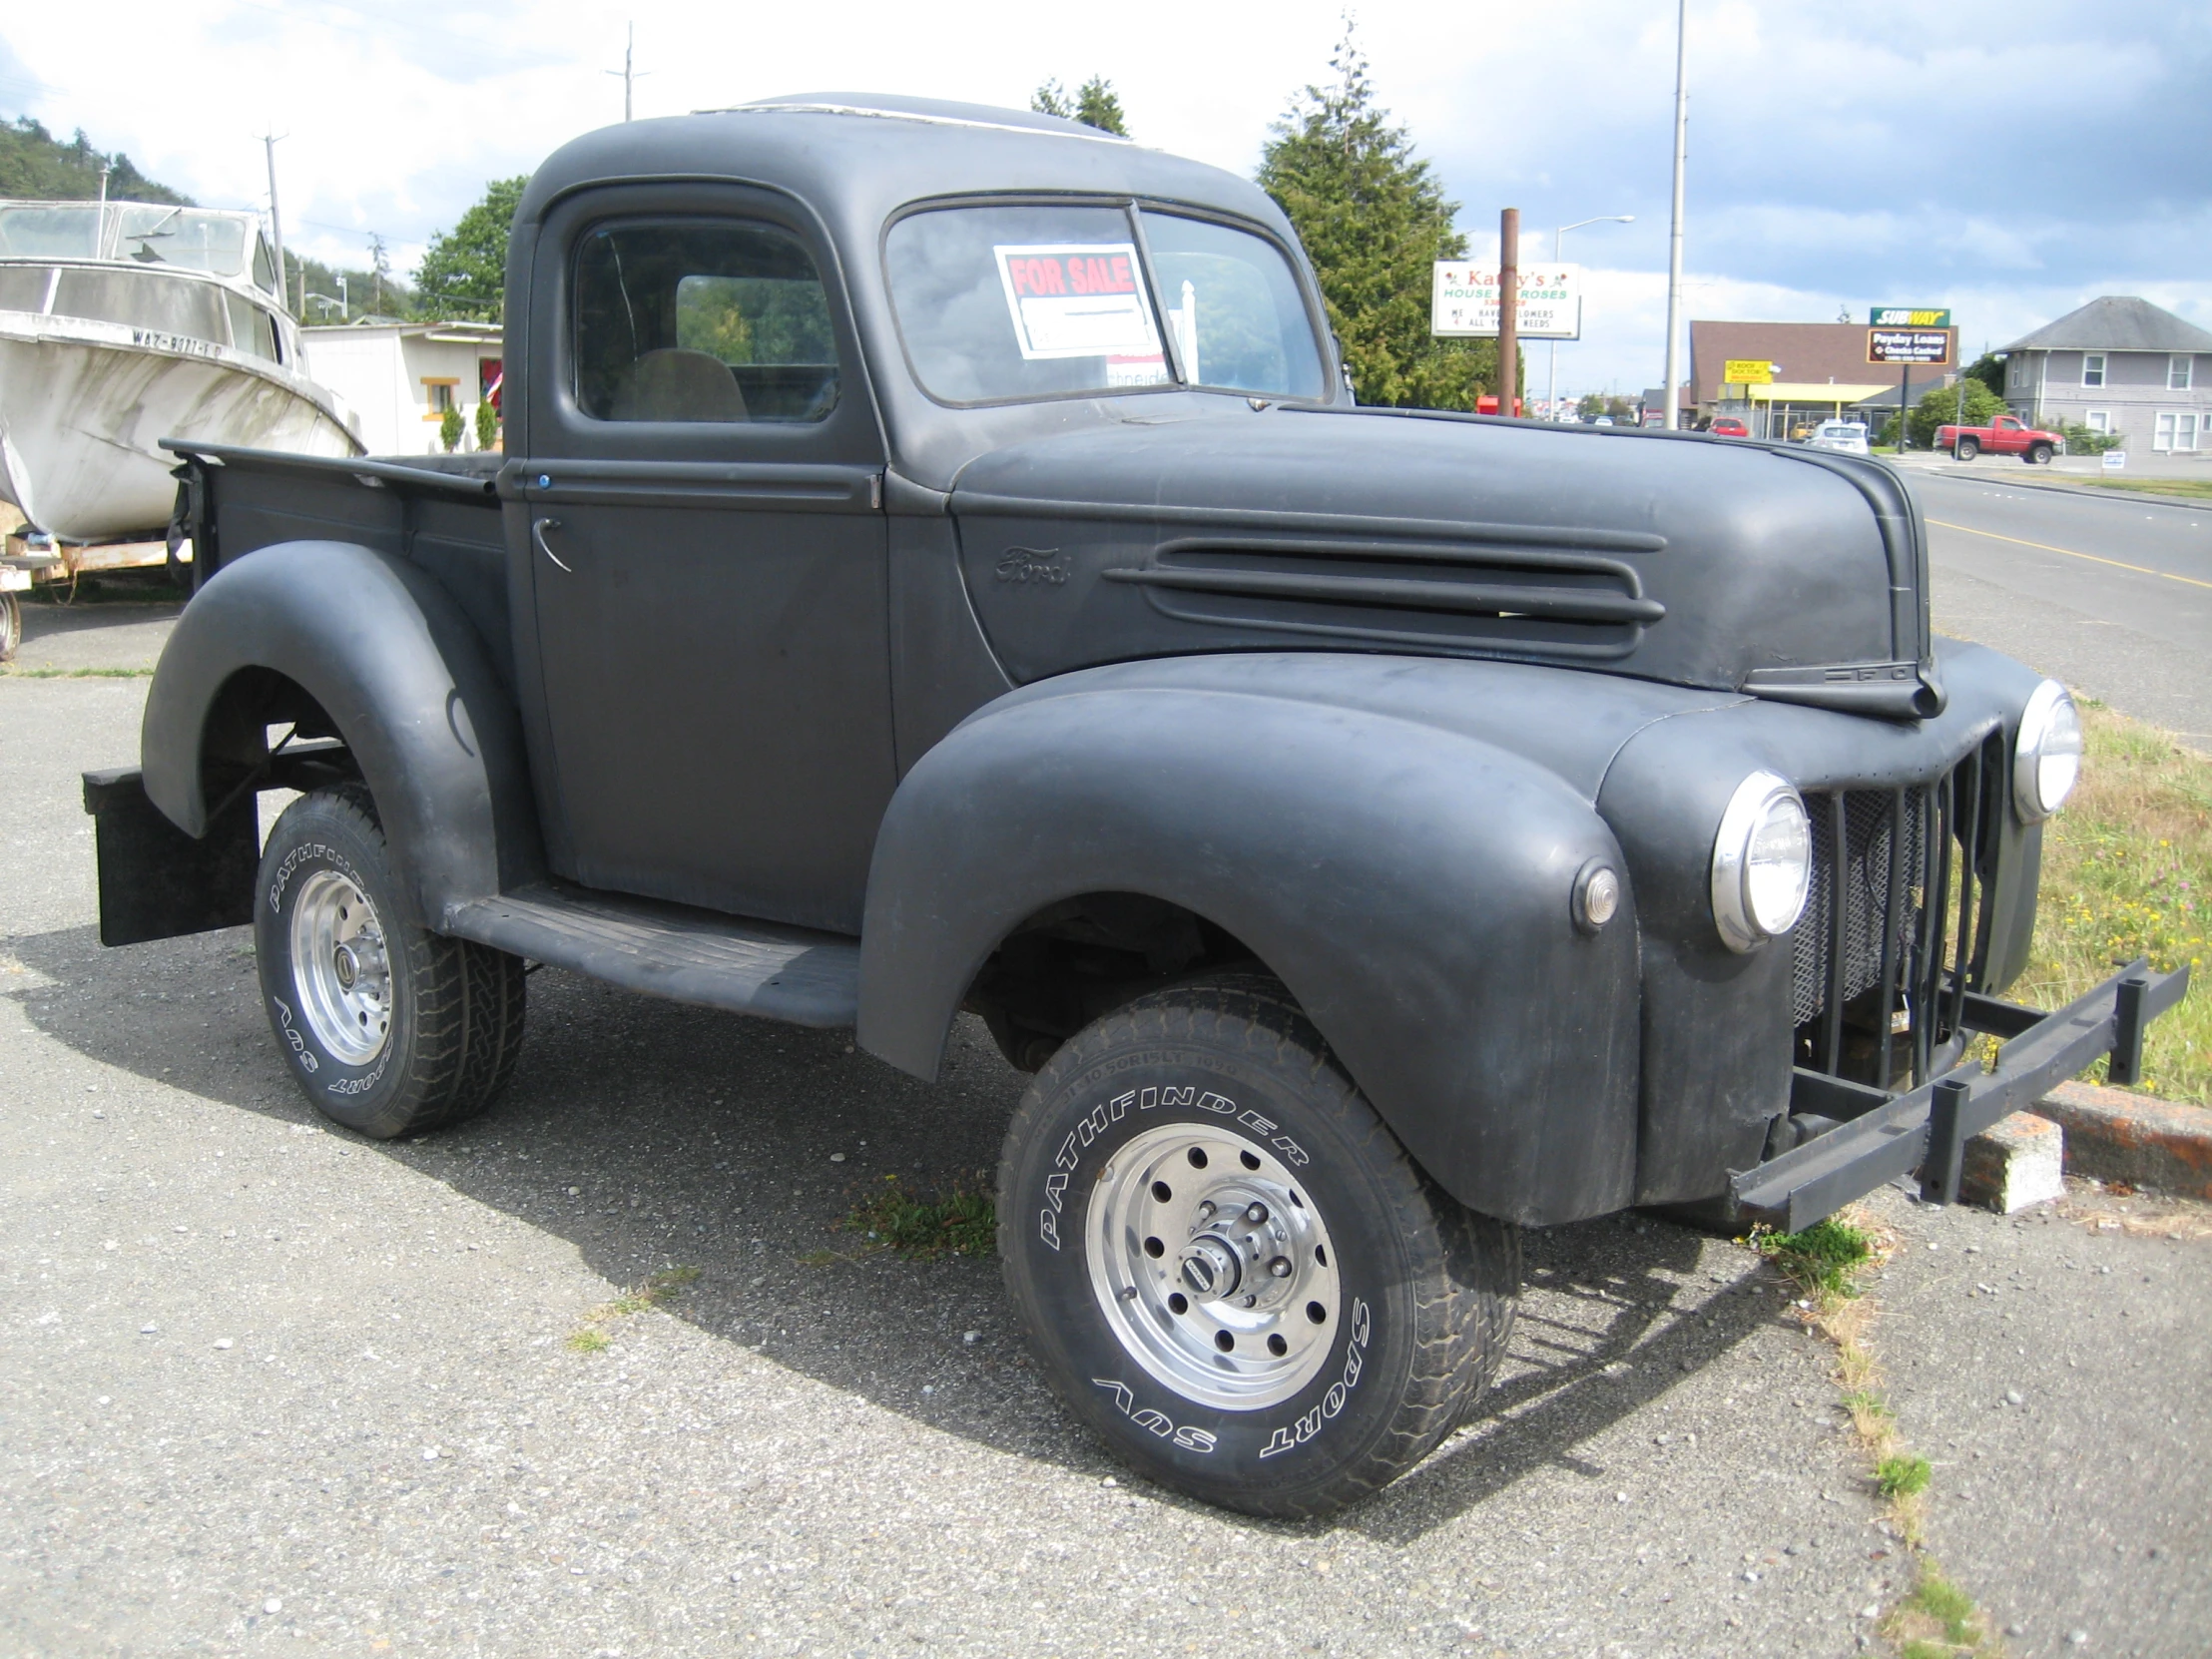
(406, 679)
(1411, 885)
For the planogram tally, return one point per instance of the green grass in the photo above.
(657, 1289)
(1824, 1260)
(2193, 489)
(1938, 1620)
(75, 672)
(959, 1222)
(1902, 1475)
(2127, 872)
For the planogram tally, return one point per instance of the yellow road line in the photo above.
(2094, 558)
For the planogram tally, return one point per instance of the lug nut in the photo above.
(1257, 1214)
(1206, 1210)
(1280, 1267)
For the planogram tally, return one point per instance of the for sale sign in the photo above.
(1078, 299)
(1908, 345)
(1464, 300)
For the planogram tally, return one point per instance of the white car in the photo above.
(1845, 436)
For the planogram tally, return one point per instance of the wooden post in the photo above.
(1508, 309)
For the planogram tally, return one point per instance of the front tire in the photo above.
(1229, 1267)
(388, 1028)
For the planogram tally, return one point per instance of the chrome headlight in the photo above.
(2047, 757)
(1761, 861)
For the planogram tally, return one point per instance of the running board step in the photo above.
(749, 967)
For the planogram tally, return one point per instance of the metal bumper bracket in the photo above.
(1927, 1128)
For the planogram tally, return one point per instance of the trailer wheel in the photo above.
(1966, 450)
(1228, 1266)
(2038, 454)
(11, 626)
(388, 1028)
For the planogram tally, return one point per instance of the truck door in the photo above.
(706, 555)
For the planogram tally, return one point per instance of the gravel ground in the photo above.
(267, 1386)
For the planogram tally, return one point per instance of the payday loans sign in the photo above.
(1463, 301)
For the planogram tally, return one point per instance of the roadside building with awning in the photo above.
(1817, 372)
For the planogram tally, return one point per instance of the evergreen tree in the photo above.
(1095, 103)
(1373, 219)
(463, 274)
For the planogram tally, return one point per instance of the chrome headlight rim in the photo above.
(1735, 914)
(2050, 712)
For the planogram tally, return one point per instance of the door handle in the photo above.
(538, 529)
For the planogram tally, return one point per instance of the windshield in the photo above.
(57, 232)
(1006, 303)
(177, 236)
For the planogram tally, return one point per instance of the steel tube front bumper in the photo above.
(1928, 1129)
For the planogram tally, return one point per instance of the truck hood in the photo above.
(1780, 572)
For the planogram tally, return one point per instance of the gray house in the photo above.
(2121, 365)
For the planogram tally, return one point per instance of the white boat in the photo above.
(126, 323)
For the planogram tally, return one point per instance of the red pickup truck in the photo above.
(2007, 435)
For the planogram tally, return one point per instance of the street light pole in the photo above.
(1674, 238)
(1559, 241)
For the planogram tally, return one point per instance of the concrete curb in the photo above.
(2116, 1136)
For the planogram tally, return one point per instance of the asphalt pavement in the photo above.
(2112, 593)
(269, 1386)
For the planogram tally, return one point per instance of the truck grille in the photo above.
(1893, 922)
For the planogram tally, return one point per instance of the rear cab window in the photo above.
(723, 321)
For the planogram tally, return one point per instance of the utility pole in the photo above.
(276, 230)
(1508, 309)
(626, 72)
(1674, 236)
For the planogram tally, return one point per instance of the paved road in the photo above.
(266, 1385)
(2113, 596)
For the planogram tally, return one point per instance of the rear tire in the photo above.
(11, 626)
(389, 1029)
(1966, 450)
(2038, 454)
(1296, 1346)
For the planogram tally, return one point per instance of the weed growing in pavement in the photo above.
(960, 1223)
(76, 673)
(1823, 1260)
(1827, 1262)
(1904, 1475)
(2127, 872)
(656, 1289)
(1937, 1620)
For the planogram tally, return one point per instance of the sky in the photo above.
(2008, 162)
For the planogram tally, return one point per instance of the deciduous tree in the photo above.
(463, 274)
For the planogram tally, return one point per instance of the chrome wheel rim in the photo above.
(341, 968)
(1213, 1266)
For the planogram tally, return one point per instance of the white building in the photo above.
(401, 377)
(2118, 365)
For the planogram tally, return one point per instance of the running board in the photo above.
(749, 967)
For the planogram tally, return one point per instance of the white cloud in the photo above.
(1839, 156)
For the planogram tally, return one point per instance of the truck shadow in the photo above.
(651, 1135)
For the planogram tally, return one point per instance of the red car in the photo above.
(1728, 426)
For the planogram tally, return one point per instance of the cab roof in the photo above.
(858, 157)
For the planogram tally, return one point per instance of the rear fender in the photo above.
(406, 682)
(1412, 886)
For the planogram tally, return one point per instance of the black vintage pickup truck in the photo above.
(939, 564)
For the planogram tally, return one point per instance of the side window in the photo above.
(695, 320)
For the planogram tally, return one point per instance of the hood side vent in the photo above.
(1432, 596)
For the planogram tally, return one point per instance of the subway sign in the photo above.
(1908, 317)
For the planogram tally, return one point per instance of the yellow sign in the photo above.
(1742, 372)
